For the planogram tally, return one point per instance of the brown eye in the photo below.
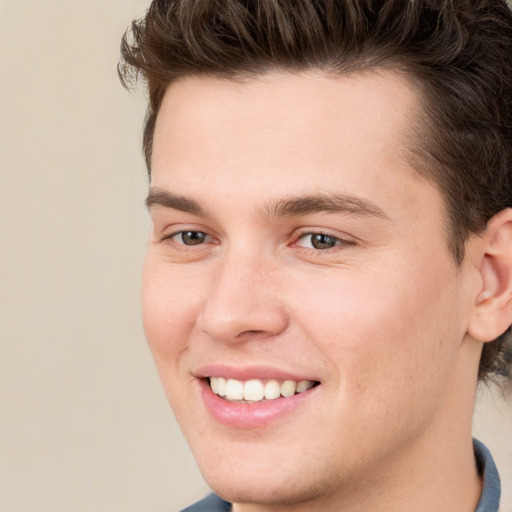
(321, 241)
(190, 237)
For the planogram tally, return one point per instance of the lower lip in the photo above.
(255, 415)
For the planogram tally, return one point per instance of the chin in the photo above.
(268, 492)
(277, 481)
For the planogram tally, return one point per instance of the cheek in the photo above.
(168, 312)
(384, 332)
(169, 306)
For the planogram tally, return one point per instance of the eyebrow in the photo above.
(158, 197)
(291, 206)
(328, 203)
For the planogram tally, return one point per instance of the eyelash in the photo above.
(180, 246)
(338, 242)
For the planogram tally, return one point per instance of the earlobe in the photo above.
(492, 312)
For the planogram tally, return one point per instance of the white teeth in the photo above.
(288, 388)
(272, 390)
(255, 390)
(214, 384)
(234, 390)
(221, 386)
(304, 385)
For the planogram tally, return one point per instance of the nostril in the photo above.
(253, 334)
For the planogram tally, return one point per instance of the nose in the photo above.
(243, 301)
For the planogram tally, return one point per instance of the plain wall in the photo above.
(84, 424)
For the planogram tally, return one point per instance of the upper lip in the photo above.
(244, 372)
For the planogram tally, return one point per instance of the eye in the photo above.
(190, 237)
(320, 241)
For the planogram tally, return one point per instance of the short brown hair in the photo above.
(458, 53)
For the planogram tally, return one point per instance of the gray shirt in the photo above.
(489, 501)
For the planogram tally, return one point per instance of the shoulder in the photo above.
(212, 503)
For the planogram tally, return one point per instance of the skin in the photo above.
(382, 318)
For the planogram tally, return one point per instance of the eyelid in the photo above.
(165, 233)
(207, 238)
(172, 234)
(343, 239)
(180, 252)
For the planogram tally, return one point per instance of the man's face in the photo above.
(292, 241)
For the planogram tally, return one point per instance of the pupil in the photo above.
(323, 241)
(192, 237)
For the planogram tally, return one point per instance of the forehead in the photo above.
(286, 133)
(299, 102)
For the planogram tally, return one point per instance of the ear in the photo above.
(492, 312)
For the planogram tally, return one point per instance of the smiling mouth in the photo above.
(256, 390)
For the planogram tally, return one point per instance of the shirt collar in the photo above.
(491, 490)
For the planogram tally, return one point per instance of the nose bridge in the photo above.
(243, 299)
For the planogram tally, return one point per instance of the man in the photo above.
(329, 272)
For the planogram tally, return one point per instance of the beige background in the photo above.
(84, 425)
